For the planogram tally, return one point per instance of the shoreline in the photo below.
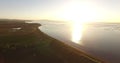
(39, 47)
(79, 52)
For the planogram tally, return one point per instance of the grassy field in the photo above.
(36, 47)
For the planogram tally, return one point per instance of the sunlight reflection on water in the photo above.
(77, 30)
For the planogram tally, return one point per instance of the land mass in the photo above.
(22, 42)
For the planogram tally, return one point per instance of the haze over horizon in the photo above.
(69, 10)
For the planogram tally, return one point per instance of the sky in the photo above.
(84, 10)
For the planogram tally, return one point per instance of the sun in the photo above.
(78, 13)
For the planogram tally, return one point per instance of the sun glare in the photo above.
(79, 13)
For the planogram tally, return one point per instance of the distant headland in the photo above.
(8, 26)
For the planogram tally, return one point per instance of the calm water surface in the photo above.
(99, 39)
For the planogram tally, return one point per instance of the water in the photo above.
(58, 30)
(101, 40)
